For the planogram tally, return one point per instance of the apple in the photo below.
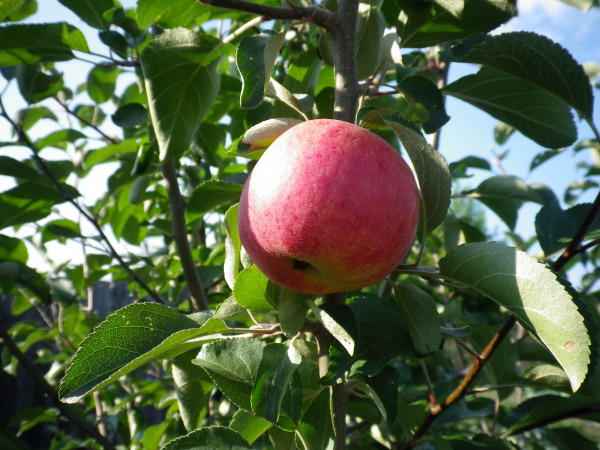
(329, 207)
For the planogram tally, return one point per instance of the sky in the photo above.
(469, 132)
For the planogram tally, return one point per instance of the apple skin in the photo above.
(329, 207)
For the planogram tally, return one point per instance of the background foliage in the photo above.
(480, 339)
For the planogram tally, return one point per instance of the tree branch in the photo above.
(188, 265)
(320, 16)
(67, 411)
(347, 91)
(24, 139)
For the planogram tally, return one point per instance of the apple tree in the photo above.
(479, 337)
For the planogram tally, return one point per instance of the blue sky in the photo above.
(469, 132)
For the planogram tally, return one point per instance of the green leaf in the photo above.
(13, 249)
(233, 247)
(36, 85)
(369, 29)
(422, 318)
(60, 139)
(273, 377)
(254, 291)
(129, 338)
(539, 411)
(432, 172)
(540, 61)
(27, 202)
(531, 292)
(292, 311)
(429, 23)
(194, 388)
(11, 167)
(339, 321)
(182, 79)
(383, 390)
(566, 438)
(209, 194)
(233, 366)
(167, 13)
(303, 73)
(504, 194)
(556, 227)
(101, 83)
(316, 426)
(382, 335)
(60, 229)
(423, 91)
(91, 11)
(27, 44)
(533, 111)
(546, 376)
(7, 7)
(210, 438)
(130, 115)
(17, 272)
(255, 58)
(249, 426)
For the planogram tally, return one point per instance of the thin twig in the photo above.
(49, 390)
(188, 265)
(575, 247)
(24, 139)
(462, 388)
(86, 122)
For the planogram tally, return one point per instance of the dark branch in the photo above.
(575, 246)
(197, 295)
(320, 16)
(66, 410)
(347, 90)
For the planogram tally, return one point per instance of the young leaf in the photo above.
(208, 195)
(370, 25)
(533, 111)
(181, 73)
(28, 44)
(272, 379)
(209, 438)
(292, 311)
(233, 365)
(101, 83)
(249, 426)
(422, 318)
(531, 292)
(432, 172)
(233, 247)
(425, 92)
(255, 58)
(540, 61)
(254, 291)
(129, 338)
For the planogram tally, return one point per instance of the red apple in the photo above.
(329, 207)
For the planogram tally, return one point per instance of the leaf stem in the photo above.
(188, 265)
(49, 390)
